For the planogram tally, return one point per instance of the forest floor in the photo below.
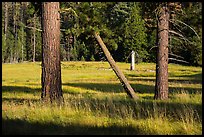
(95, 102)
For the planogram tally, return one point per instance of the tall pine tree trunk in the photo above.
(22, 31)
(161, 85)
(129, 90)
(5, 27)
(67, 48)
(51, 67)
(34, 25)
(6, 19)
(12, 53)
(15, 33)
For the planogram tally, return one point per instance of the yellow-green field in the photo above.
(96, 103)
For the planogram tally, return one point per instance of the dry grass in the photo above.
(95, 102)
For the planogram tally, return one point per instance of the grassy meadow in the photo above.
(96, 103)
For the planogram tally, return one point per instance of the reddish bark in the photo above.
(161, 86)
(51, 67)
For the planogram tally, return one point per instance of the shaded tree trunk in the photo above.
(34, 25)
(6, 19)
(22, 31)
(51, 67)
(129, 90)
(67, 48)
(161, 85)
(12, 58)
(5, 28)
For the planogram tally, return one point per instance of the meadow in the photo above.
(96, 103)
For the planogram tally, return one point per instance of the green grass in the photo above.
(95, 102)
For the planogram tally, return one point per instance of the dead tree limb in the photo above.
(115, 68)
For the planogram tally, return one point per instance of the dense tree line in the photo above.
(124, 26)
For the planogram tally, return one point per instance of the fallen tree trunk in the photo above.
(115, 68)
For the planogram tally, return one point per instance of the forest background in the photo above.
(124, 27)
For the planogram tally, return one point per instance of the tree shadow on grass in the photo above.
(191, 79)
(21, 100)
(103, 87)
(22, 127)
(139, 88)
(121, 107)
(20, 89)
(112, 108)
(175, 80)
(197, 76)
(140, 109)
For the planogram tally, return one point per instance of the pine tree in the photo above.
(161, 85)
(135, 32)
(51, 67)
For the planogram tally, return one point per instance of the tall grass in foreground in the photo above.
(98, 105)
(94, 116)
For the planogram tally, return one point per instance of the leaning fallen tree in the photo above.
(115, 68)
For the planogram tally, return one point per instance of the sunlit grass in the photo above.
(95, 102)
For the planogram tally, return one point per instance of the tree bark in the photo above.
(161, 85)
(129, 90)
(51, 67)
(5, 27)
(13, 49)
(22, 30)
(34, 24)
(67, 48)
(6, 19)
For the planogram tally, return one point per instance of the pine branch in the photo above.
(153, 47)
(173, 20)
(179, 34)
(176, 26)
(173, 37)
(40, 29)
(68, 10)
(176, 55)
(33, 28)
(179, 60)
